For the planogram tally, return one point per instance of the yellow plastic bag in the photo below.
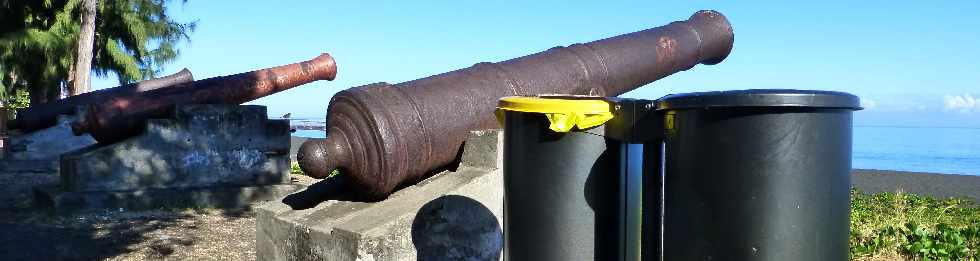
(563, 114)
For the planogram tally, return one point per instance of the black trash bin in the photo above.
(757, 175)
(571, 190)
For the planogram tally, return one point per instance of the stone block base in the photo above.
(204, 155)
(454, 215)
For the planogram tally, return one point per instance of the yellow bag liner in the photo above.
(564, 114)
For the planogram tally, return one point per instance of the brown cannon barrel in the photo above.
(46, 115)
(121, 117)
(383, 135)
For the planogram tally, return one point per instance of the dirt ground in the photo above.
(29, 233)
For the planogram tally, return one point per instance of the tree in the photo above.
(39, 41)
(86, 38)
(34, 39)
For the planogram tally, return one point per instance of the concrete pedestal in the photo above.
(205, 155)
(454, 215)
(39, 151)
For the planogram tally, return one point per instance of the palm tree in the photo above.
(39, 43)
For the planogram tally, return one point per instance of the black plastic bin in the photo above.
(568, 195)
(757, 175)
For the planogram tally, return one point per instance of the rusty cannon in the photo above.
(381, 135)
(121, 117)
(46, 115)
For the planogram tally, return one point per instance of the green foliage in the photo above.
(19, 100)
(884, 238)
(134, 39)
(946, 243)
(36, 44)
(294, 169)
(15, 98)
(913, 227)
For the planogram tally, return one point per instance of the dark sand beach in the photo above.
(927, 184)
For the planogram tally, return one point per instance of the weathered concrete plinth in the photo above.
(453, 215)
(205, 155)
(39, 151)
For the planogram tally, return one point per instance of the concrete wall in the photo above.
(48, 143)
(39, 151)
(201, 146)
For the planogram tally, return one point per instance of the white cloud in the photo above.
(868, 104)
(961, 103)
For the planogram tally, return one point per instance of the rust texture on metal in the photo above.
(122, 117)
(46, 115)
(384, 135)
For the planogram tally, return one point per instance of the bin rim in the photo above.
(761, 98)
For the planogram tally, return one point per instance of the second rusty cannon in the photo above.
(121, 117)
(382, 135)
(45, 115)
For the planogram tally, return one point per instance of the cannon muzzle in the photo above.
(46, 115)
(122, 117)
(383, 135)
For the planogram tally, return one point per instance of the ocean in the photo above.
(917, 149)
(310, 133)
(920, 149)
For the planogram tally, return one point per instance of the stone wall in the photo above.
(204, 155)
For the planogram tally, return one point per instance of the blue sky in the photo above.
(913, 63)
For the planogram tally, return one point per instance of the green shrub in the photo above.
(914, 227)
(294, 169)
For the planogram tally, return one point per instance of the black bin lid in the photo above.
(760, 98)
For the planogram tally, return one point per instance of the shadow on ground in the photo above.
(29, 233)
(84, 241)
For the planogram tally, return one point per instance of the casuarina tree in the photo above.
(40, 43)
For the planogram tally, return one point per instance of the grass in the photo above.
(901, 226)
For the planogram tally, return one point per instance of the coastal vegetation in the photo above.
(41, 42)
(294, 169)
(902, 226)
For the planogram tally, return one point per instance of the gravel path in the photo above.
(27, 233)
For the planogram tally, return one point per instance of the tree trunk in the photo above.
(13, 79)
(86, 39)
(38, 95)
(11, 88)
